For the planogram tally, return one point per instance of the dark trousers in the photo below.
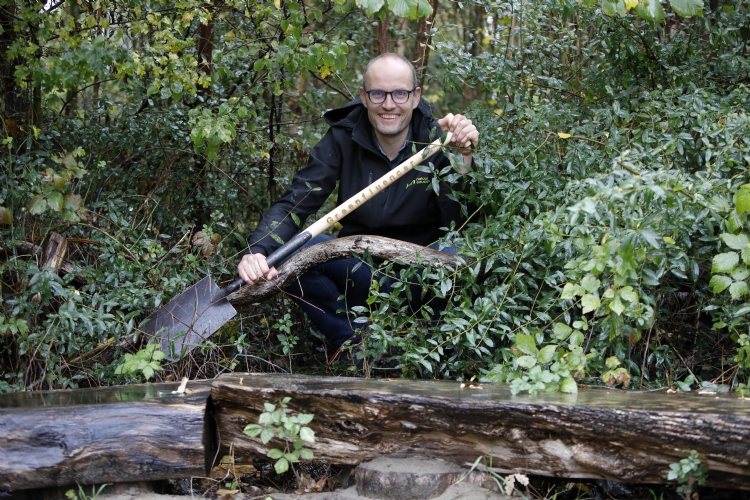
(335, 286)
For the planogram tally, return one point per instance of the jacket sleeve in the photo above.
(310, 188)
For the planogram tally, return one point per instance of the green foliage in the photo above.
(609, 194)
(145, 362)
(688, 472)
(293, 430)
(81, 495)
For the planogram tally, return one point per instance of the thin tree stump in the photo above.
(105, 435)
(603, 434)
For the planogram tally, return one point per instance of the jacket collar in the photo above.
(353, 115)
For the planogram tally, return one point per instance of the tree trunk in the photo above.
(104, 435)
(422, 43)
(384, 41)
(596, 433)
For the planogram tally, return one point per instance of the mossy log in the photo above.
(105, 435)
(597, 433)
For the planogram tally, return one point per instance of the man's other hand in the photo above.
(465, 134)
(253, 268)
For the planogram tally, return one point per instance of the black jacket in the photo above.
(408, 210)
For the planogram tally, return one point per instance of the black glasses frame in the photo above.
(408, 95)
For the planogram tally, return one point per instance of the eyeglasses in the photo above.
(398, 96)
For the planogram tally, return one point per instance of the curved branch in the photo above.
(378, 247)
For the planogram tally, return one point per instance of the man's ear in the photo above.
(417, 95)
(363, 96)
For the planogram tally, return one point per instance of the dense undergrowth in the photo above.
(608, 240)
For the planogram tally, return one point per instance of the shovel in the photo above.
(194, 315)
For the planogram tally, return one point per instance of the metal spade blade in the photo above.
(190, 318)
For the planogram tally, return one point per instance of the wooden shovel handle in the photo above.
(346, 208)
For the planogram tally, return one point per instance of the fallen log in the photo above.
(598, 433)
(378, 247)
(104, 435)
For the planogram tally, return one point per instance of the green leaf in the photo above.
(526, 361)
(569, 386)
(371, 6)
(526, 343)
(562, 331)
(269, 407)
(6, 215)
(55, 201)
(725, 262)
(281, 466)
(611, 7)
(306, 454)
(719, 283)
(165, 93)
(590, 303)
(650, 10)
(546, 353)
(307, 434)
(73, 202)
(252, 430)
(742, 200)
(275, 454)
(687, 8)
(617, 306)
(37, 205)
(266, 435)
(305, 418)
(735, 241)
(571, 291)
(738, 289)
(591, 284)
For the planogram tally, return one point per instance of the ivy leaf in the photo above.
(650, 10)
(629, 294)
(275, 454)
(719, 283)
(687, 8)
(725, 262)
(526, 343)
(735, 241)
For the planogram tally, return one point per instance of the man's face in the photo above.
(389, 118)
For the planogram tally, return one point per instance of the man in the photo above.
(368, 137)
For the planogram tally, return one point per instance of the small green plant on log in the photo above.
(688, 472)
(289, 428)
(145, 362)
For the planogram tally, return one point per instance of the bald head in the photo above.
(390, 55)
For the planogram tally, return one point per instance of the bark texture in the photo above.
(107, 435)
(379, 248)
(622, 436)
